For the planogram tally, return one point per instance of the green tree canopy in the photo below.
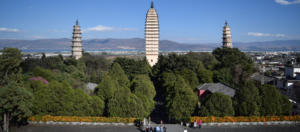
(204, 75)
(144, 89)
(241, 66)
(180, 101)
(15, 103)
(125, 105)
(10, 61)
(106, 88)
(97, 105)
(217, 104)
(273, 103)
(116, 72)
(55, 99)
(247, 100)
(141, 84)
(132, 67)
(190, 77)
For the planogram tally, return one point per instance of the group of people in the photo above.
(195, 124)
(147, 126)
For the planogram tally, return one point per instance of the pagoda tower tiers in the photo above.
(227, 41)
(76, 42)
(152, 36)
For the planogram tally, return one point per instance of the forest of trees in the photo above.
(131, 88)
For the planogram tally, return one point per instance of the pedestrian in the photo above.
(187, 124)
(199, 123)
(185, 130)
(149, 121)
(165, 129)
(158, 129)
(195, 124)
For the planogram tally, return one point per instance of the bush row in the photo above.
(245, 119)
(81, 119)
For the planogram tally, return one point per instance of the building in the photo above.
(208, 88)
(76, 42)
(291, 71)
(227, 41)
(262, 79)
(152, 36)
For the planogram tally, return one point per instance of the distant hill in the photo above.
(138, 44)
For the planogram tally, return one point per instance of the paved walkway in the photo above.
(249, 129)
(170, 128)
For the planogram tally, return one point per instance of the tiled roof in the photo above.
(259, 77)
(217, 87)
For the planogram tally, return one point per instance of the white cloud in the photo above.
(256, 34)
(286, 2)
(38, 37)
(57, 31)
(3, 29)
(101, 28)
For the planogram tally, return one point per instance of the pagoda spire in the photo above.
(77, 22)
(152, 4)
(227, 40)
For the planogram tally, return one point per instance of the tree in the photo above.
(141, 84)
(119, 75)
(204, 75)
(10, 69)
(125, 105)
(55, 99)
(144, 89)
(273, 103)
(208, 60)
(247, 100)
(240, 65)
(15, 103)
(180, 100)
(223, 75)
(94, 64)
(45, 73)
(81, 105)
(106, 88)
(97, 105)
(132, 67)
(217, 104)
(190, 77)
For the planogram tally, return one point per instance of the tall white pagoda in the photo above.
(152, 36)
(76, 42)
(227, 41)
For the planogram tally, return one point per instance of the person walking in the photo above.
(199, 123)
(149, 121)
(194, 124)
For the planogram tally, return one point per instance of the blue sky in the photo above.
(189, 21)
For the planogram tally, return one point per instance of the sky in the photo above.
(186, 21)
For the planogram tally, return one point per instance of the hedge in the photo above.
(81, 119)
(245, 119)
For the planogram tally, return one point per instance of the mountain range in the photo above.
(138, 44)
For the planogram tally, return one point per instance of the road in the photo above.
(49, 128)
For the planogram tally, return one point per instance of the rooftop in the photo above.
(217, 87)
(259, 77)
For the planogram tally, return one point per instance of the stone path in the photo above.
(170, 128)
(174, 128)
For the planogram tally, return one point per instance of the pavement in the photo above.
(69, 128)
(249, 129)
(170, 128)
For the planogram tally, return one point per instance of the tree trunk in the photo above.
(5, 122)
